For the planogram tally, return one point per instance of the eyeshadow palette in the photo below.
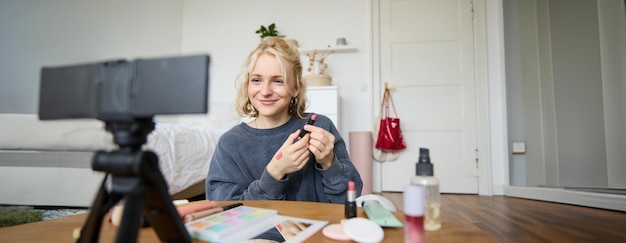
(221, 226)
(244, 223)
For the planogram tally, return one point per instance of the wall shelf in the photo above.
(337, 49)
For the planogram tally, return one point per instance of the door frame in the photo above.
(482, 77)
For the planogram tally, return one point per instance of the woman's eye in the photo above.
(280, 81)
(255, 80)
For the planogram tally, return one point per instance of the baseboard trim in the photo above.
(498, 190)
(588, 199)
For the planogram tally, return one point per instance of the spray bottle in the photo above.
(424, 177)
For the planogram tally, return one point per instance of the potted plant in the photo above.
(317, 67)
(269, 31)
(272, 31)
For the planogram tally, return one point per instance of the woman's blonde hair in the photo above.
(289, 60)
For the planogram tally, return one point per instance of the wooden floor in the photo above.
(511, 219)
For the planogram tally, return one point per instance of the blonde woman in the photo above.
(265, 158)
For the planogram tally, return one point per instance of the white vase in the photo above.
(292, 42)
(318, 80)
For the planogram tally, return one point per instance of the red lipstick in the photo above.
(350, 210)
(311, 121)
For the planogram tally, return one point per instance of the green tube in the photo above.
(380, 215)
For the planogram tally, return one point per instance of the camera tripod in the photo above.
(136, 178)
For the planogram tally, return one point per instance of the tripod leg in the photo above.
(147, 195)
(159, 209)
(91, 230)
(132, 215)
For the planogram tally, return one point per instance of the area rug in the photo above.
(15, 215)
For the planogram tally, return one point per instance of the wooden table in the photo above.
(60, 230)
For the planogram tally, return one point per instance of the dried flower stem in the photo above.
(318, 59)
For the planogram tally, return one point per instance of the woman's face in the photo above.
(267, 89)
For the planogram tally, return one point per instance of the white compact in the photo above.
(363, 230)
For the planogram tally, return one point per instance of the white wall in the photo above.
(60, 32)
(41, 33)
(533, 31)
(225, 30)
(554, 57)
(613, 54)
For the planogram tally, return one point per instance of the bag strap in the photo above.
(384, 105)
(392, 105)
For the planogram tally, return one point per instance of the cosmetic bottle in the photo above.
(414, 214)
(424, 176)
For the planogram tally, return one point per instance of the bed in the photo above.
(49, 162)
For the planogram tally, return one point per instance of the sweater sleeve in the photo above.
(230, 179)
(335, 178)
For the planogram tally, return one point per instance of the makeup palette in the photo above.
(219, 227)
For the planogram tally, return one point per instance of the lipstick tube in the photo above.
(350, 209)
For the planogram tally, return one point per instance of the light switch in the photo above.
(519, 147)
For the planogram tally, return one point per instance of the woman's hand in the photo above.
(321, 144)
(290, 157)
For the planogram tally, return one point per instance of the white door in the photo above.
(427, 58)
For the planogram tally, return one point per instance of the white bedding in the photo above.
(184, 153)
(184, 144)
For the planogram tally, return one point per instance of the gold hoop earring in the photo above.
(251, 108)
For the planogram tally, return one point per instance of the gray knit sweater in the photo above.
(238, 172)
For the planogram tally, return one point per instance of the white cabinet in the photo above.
(324, 100)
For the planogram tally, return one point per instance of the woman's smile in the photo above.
(267, 102)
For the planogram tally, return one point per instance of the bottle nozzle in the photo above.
(423, 166)
(424, 156)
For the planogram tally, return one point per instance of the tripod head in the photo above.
(129, 135)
